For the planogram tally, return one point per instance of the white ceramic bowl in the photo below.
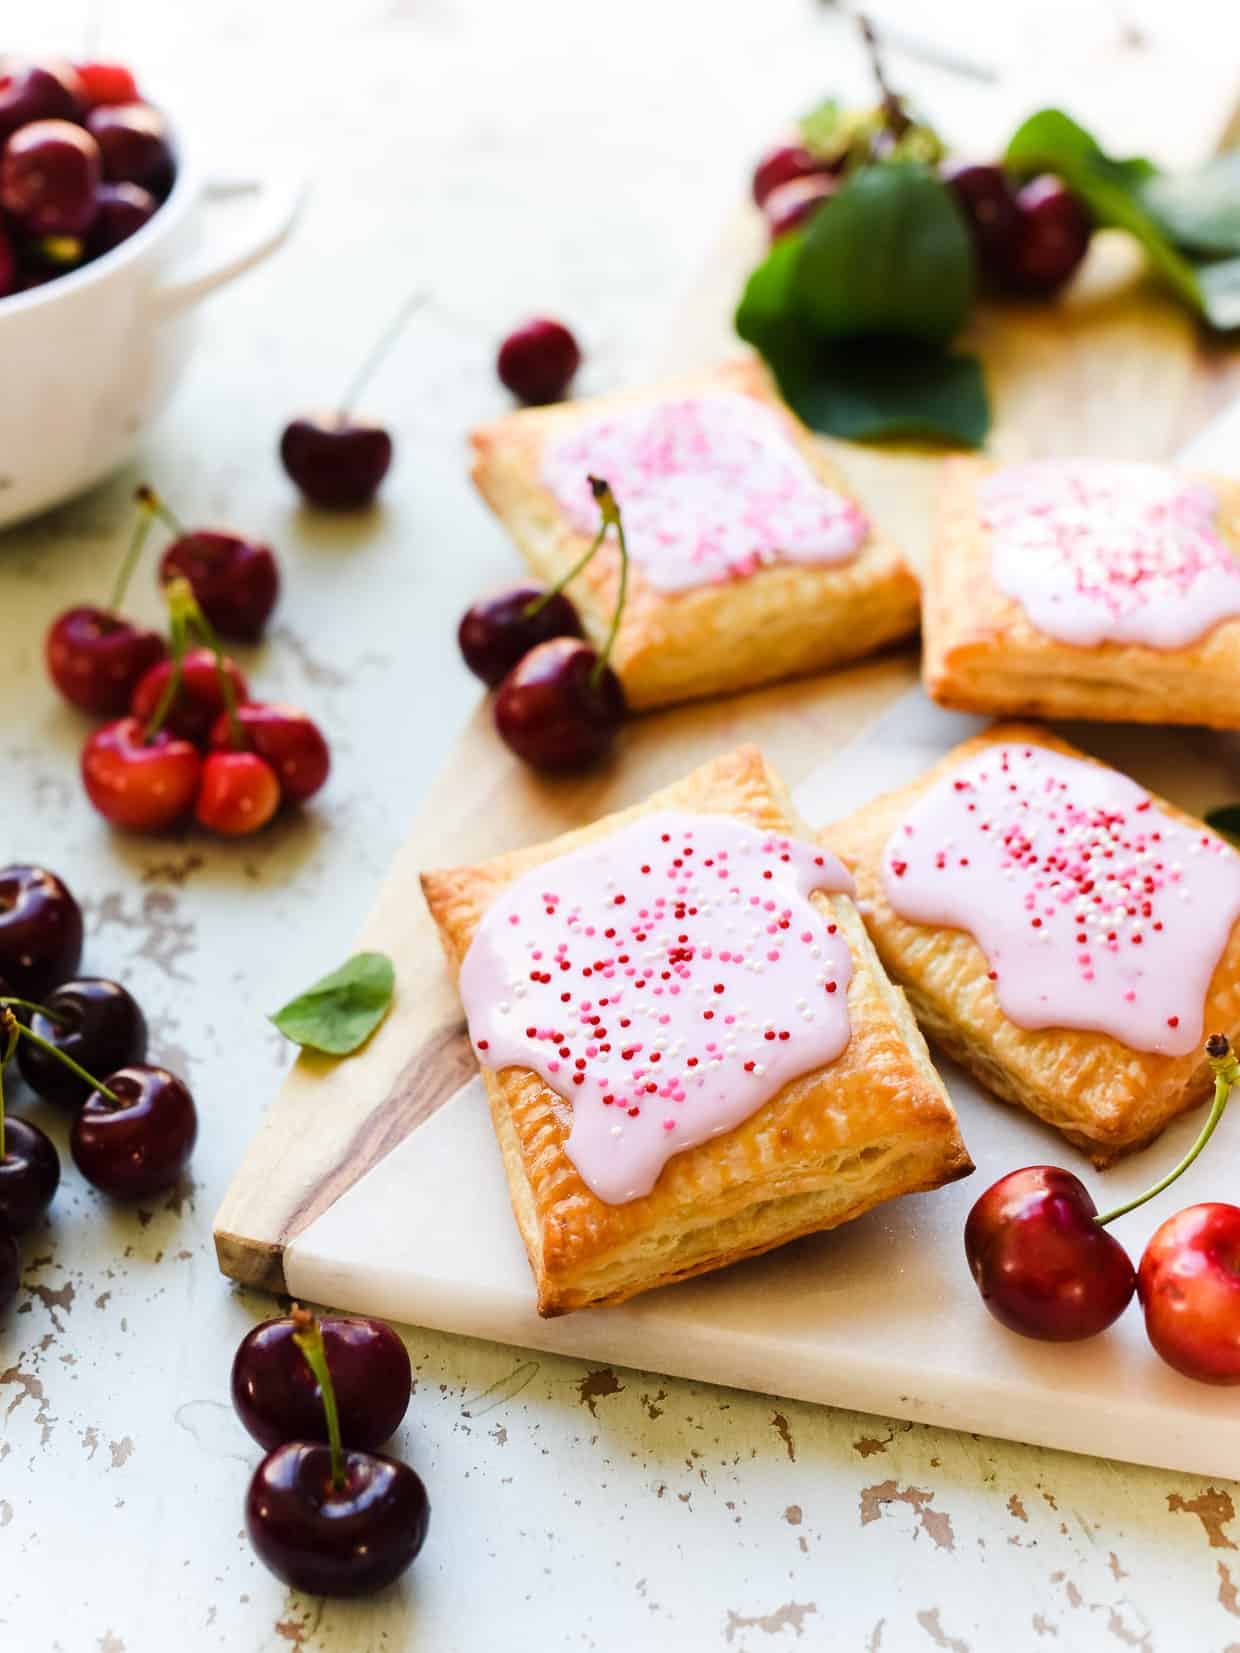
(87, 361)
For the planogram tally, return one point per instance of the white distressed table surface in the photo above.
(553, 155)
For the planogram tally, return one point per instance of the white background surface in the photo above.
(575, 158)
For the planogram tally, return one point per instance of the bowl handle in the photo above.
(278, 199)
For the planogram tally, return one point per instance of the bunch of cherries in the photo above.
(84, 164)
(132, 1131)
(1047, 1267)
(326, 1511)
(184, 732)
(558, 703)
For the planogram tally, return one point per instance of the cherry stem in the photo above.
(9, 1002)
(895, 118)
(1226, 1071)
(309, 1339)
(137, 539)
(11, 1028)
(176, 628)
(185, 607)
(611, 519)
(61, 1056)
(380, 348)
(147, 496)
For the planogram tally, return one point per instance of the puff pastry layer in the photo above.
(783, 620)
(982, 654)
(1103, 1096)
(874, 1124)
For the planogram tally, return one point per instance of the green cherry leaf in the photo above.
(1226, 822)
(1199, 210)
(885, 390)
(339, 1013)
(767, 316)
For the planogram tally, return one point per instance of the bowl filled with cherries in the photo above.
(105, 246)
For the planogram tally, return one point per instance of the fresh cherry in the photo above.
(554, 710)
(988, 201)
(780, 166)
(1054, 236)
(50, 90)
(121, 211)
(143, 785)
(234, 580)
(96, 658)
(107, 83)
(335, 459)
(278, 1397)
(29, 1176)
(537, 361)
(286, 738)
(134, 1134)
(788, 206)
(10, 1269)
(1044, 1267)
(238, 794)
(133, 141)
(498, 630)
(40, 930)
(199, 700)
(10, 269)
(95, 1021)
(49, 174)
(1189, 1288)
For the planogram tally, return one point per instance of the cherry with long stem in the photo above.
(609, 515)
(29, 1164)
(309, 1339)
(378, 350)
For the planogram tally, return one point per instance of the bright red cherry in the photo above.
(137, 1139)
(95, 658)
(49, 173)
(988, 201)
(47, 91)
(780, 166)
(552, 712)
(537, 361)
(286, 738)
(336, 460)
(496, 631)
(199, 700)
(122, 210)
(107, 83)
(1189, 1287)
(278, 1398)
(235, 581)
(96, 1022)
(792, 203)
(40, 930)
(29, 1175)
(142, 785)
(133, 141)
(1044, 1267)
(1055, 231)
(238, 794)
(10, 1269)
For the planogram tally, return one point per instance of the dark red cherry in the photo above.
(552, 713)
(537, 360)
(121, 211)
(29, 1174)
(1043, 1266)
(793, 203)
(107, 83)
(95, 1021)
(330, 1542)
(140, 1143)
(199, 700)
(780, 166)
(139, 784)
(235, 581)
(133, 141)
(10, 270)
(49, 174)
(336, 460)
(10, 1269)
(40, 930)
(278, 1398)
(50, 90)
(988, 201)
(96, 658)
(286, 738)
(1055, 231)
(496, 631)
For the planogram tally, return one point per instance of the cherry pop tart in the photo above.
(691, 1052)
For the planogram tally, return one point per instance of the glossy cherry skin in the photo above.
(143, 1145)
(49, 173)
(277, 1396)
(10, 270)
(1055, 231)
(10, 1269)
(550, 712)
(335, 460)
(1043, 1266)
(95, 1021)
(988, 201)
(496, 631)
(121, 211)
(780, 166)
(40, 930)
(133, 141)
(106, 83)
(47, 91)
(1189, 1288)
(96, 658)
(791, 204)
(235, 580)
(199, 700)
(238, 794)
(140, 785)
(537, 361)
(29, 1174)
(329, 1543)
(286, 738)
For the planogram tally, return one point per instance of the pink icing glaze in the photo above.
(666, 981)
(1101, 551)
(710, 486)
(1093, 907)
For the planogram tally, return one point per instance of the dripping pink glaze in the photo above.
(667, 981)
(1094, 908)
(710, 486)
(1102, 551)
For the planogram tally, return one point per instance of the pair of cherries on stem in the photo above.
(325, 1511)
(558, 703)
(1047, 1267)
